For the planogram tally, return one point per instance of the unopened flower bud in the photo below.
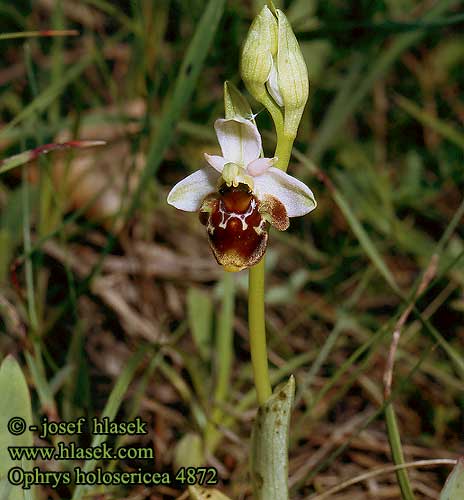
(292, 75)
(258, 51)
(272, 66)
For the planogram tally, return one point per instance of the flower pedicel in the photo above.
(241, 195)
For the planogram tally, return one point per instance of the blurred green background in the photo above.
(105, 289)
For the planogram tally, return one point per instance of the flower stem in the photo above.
(256, 316)
(256, 321)
(283, 150)
(274, 111)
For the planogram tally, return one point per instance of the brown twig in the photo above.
(426, 279)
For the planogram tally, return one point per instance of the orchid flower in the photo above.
(240, 195)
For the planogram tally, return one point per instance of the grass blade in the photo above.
(34, 34)
(427, 120)
(379, 65)
(112, 406)
(183, 89)
(32, 154)
(397, 452)
(364, 239)
(43, 100)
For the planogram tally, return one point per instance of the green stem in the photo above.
(256, 316)
(275, 113)
(284, 138)
(283, 150)
(256, 321)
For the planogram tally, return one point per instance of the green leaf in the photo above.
(269, 445)
(15, 403)
(200, 318)
(198, 493)
(454, 486)
(189, 451)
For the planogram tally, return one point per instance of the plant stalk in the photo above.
(256, 321)
(283, 151)
(256, 313)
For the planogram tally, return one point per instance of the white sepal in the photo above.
(189, 192)
(239, 139)
(296, 196)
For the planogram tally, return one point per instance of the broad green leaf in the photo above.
(15, 403)
(269, 445)
(198, 493)
(189, 451)
(454, 486)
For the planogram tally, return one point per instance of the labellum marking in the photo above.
(226, 216)
(237, 231)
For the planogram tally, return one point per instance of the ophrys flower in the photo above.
(240, 195)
